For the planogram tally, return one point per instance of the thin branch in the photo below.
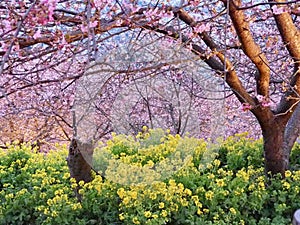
(264, 3)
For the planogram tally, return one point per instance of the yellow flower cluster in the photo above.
(146, 158)
(243, 174)
(138, 188)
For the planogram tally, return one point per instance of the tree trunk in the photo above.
(279, 136)
(80, 162)
(276, 155)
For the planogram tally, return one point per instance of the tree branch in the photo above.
(291, 37)
(250, 48)
(231, 77)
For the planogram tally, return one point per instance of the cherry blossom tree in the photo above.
(254, 46)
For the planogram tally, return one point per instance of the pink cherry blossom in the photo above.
(84, 28)
(246, 107)
(194, 2)
(202, 27)
(93, 24)
(264, 101)
(7, 25)
(37, 34)
(277, 10)
(260, 98)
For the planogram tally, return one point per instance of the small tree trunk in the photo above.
(276, 157)
(292, 131)
(79, 162)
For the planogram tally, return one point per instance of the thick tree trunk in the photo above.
(79, 162)
(276, 156)
(279, 138)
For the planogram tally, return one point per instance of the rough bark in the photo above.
(250, 47)
(79, 162)
(280, 132)
(276, 159)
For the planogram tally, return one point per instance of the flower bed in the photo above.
(229, 189)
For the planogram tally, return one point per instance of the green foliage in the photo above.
(295, 157)
(35, 188)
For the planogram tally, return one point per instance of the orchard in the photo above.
(77, 72)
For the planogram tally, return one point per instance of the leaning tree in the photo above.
(254, 46)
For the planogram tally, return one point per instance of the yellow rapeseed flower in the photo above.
(40, 208)
(296, 175)
(46, 211)
(199, 212)
(161, 205)
(76, 206)
(221, 171)
(5, 185)
(98, 188)
(217, 162)
(199, 205)
(209, 195)
(54, 214)
(211, 176)
(81, 192)
(286, 185)
(172, 182)
(187, 192)
(9, 196)
(121, 192)
(153, 196)
(180, 187)
(58, 192)
(261, 185)
(195, 198)
(45, 182)
(209, 166)
(200, 189)
(288, 173)
(121, 216)
(147, 214)
(168, 196)
(216, 217)
(49, 202)
(239, 191)
(133, 194)
(251, 187)
(206, 210)
(150, 163)
(135, 220)
(164, 213)
(220, 182)
(229, 173)
(126, 200)
(184, 202)
(232, 210)
(243, 174)
(66, 176)
(225, 192)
